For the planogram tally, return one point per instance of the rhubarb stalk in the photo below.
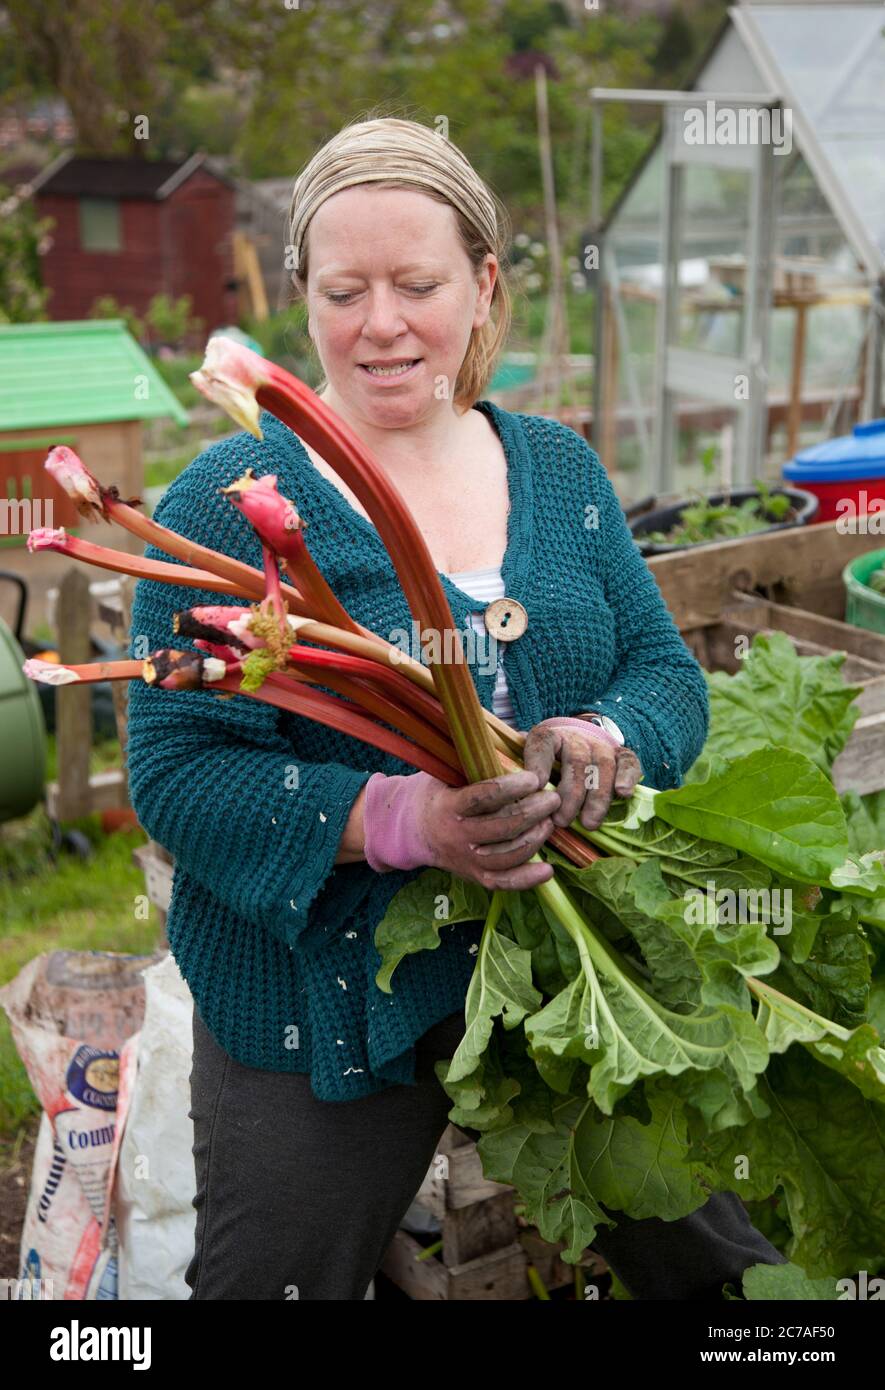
(241, 381)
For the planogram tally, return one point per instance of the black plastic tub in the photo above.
(805, 507)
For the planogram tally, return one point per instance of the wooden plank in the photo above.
(871, 699)
(474, 1230)
(724, 637)
(499, 1275)
(798, 622)
(466, 1182)
(120, 689)
(73, 703)
(802, 566)
(455, 1180)
(424, 1280)
(103, 791)
(860, 767)
(432, 1192)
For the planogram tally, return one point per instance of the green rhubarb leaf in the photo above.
(866, 909)
(712, 1093)
(774, 805)
(864, 873)
(824, 1144)
(876, 1006)
(865, 815)
(481, 1100)
(623, 1034)
(725, 953)
(643, 1169)
(653, 835)
(548, 1173)
(777, 1283)
(554, 959)
(500, 986)
(781, 698)
(418, 912)
(559, 1073)
(855, 1053)
(833, 979)
(635, 893)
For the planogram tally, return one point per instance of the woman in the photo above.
(315, 1104)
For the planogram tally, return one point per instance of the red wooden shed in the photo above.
(135, 228)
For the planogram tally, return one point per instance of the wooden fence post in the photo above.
(73, 703)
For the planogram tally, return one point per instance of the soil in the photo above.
(16, 1162)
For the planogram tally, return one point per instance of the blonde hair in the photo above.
(397, 153)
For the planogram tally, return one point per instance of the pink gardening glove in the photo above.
(486, 831)
(593, 767)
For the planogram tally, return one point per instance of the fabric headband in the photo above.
(419, 156)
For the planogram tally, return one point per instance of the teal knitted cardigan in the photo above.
(276, 941)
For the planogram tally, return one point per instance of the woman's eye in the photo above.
(345, 296)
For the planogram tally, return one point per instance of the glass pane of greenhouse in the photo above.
(826, 63)
(713, 250)
(833, 60)
(812, 250)
(635, 270)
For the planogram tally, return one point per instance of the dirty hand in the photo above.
(594, 766)
(486, 831)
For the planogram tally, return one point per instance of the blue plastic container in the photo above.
(844, 473)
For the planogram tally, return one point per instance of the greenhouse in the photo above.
(740, 312)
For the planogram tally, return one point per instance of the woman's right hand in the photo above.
(486, 831)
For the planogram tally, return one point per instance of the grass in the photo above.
(58, 902)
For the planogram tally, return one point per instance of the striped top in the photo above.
(485, 585)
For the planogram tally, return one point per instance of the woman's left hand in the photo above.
(594, 766)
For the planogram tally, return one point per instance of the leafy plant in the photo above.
(169, 320)
(629, 1031)
(23, 238)
(107, 307)
(703, 520)
(876, 581)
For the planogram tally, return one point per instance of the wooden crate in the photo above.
(791, 582)
(486, 1252)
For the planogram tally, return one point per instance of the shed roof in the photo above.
(826, 61)
(76, 176)
(78, 373)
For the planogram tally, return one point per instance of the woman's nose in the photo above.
(383, 315)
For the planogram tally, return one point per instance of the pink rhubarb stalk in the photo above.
(174, 670)
(96, 502)
(241, 382)
(280, 528)
(57, 539)
(187, 673)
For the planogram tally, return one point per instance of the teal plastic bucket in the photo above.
(863, 606)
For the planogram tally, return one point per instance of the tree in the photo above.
(22, 296)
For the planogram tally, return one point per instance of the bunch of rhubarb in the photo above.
(626, 1034)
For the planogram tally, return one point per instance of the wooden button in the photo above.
(506, 619)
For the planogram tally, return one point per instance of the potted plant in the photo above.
(703, 518)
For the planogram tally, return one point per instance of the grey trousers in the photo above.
(298, 1198)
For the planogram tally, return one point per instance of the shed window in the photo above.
(100, 224)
